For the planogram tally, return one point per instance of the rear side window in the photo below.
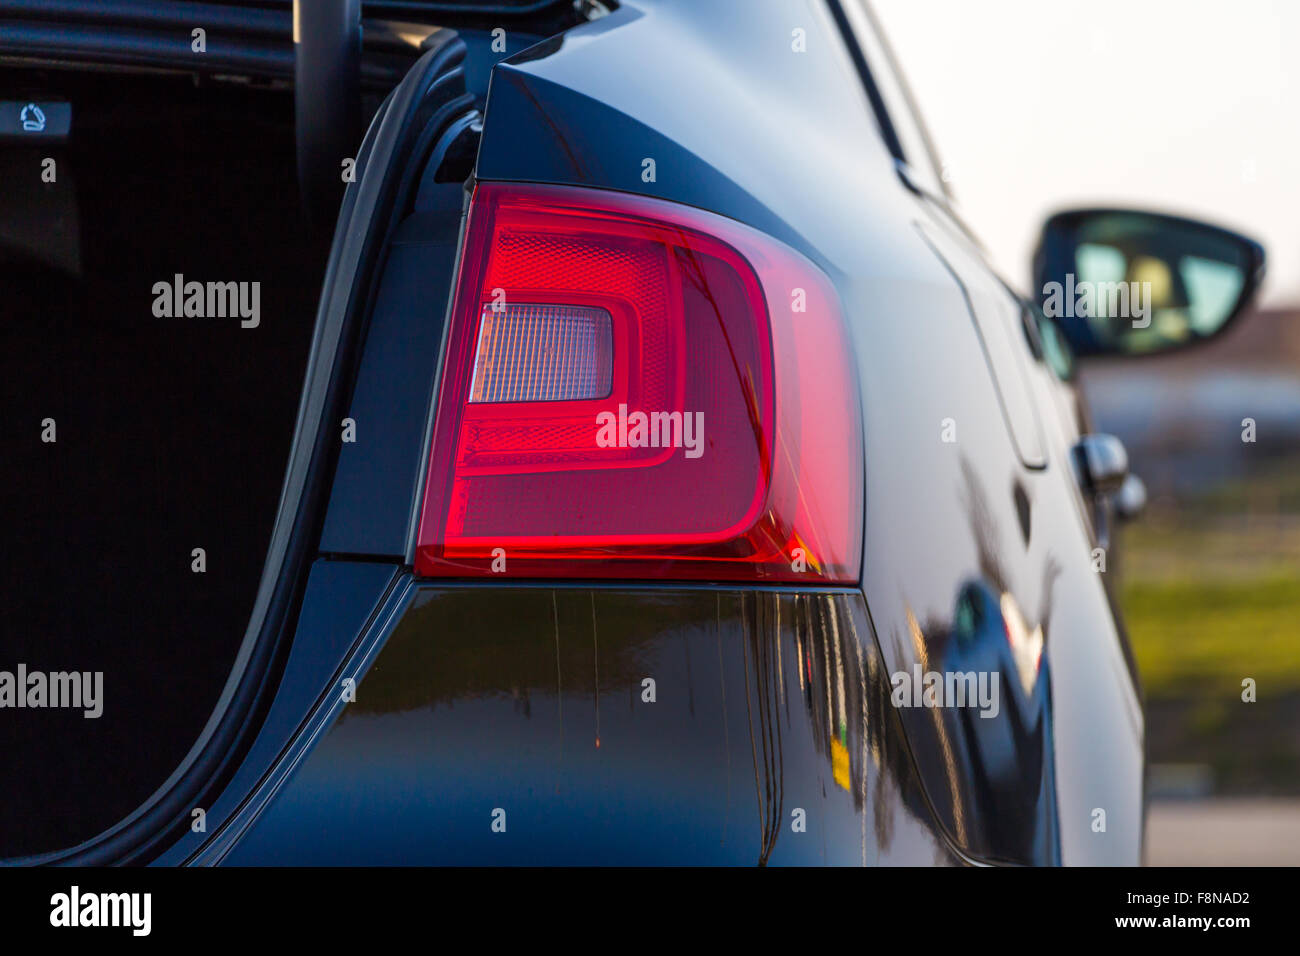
(901, 121)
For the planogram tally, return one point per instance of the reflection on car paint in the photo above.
(992, 780)
(633, 726)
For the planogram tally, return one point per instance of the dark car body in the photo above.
(376, 717)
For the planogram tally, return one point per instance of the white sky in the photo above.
(1188, 106)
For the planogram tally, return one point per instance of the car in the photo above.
(551, 433)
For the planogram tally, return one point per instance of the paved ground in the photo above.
(1224, 832)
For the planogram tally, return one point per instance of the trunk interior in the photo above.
(171, 433)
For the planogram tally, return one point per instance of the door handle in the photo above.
(1131, 499)
(1102, 464)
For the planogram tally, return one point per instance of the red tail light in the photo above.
(638, 389)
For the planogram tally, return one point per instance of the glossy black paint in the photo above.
(978, 547)
(610, 726)
(939, 341)
(342, 600)
(376, 475)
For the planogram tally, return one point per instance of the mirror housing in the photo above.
(1126, 282)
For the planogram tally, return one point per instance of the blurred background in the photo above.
(1192, 108)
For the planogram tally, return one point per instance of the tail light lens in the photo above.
(637, 389)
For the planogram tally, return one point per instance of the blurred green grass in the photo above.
(1194, 637)
(1210, 588)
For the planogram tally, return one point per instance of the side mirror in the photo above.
(1125, 282)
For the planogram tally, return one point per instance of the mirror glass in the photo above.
(1133, 283)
